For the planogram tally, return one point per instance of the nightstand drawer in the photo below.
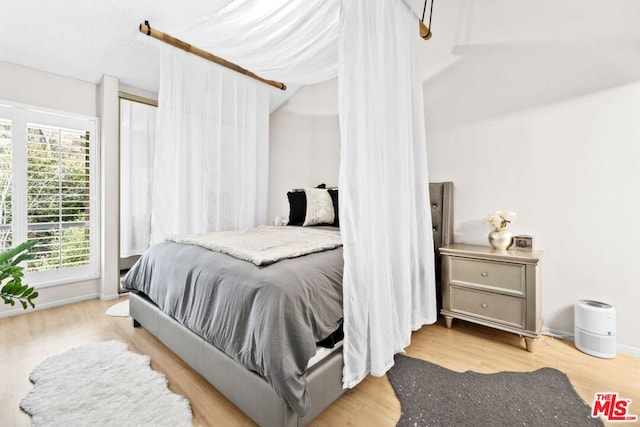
(495, 307)
(494, 275)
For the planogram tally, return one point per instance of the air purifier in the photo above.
(595, 328)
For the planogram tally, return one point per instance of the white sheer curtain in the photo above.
(292, 40)
(389, 279)
(137, 141)
(212, 154)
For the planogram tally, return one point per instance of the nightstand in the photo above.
(499, 289)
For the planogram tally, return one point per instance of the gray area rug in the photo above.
(431, 395)
(102, 384)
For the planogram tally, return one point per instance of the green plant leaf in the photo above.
(5, 289)
(12, 285)
(23, 257)
(12, 272)
(4, 257)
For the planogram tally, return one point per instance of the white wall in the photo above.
(304, 144)
(28, 86)
(532, 107)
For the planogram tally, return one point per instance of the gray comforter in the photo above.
(268, 318)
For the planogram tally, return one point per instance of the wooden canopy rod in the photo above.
(146, 29)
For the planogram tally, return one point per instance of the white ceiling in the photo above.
(85, 39)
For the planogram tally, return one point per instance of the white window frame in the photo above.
(20, 115)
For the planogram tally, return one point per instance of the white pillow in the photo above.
(319, 207)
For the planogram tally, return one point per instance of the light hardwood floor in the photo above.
(28, 339)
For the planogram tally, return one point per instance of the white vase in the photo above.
(500, 239)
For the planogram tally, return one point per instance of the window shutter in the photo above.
(58, 196)
(6, 184)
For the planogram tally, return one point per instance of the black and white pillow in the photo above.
(319, 207)
(313, 206)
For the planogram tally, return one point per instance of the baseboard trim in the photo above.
(621, 348)
(556, 333)
(109, 297)
(627, 349)
(46, 305)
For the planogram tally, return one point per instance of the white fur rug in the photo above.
(102, 384)
(120, 309)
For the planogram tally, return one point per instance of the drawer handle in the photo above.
(484, 274)
(483, 305)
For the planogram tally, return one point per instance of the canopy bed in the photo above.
(210, 174)
(244, 387)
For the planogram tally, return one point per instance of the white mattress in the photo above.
(322, 352)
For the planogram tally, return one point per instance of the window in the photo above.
(48, 192)
(5, 184)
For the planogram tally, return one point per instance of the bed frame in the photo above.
(246, 389)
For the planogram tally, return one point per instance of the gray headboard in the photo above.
(441, 197)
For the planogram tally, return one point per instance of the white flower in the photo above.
(499, 220)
